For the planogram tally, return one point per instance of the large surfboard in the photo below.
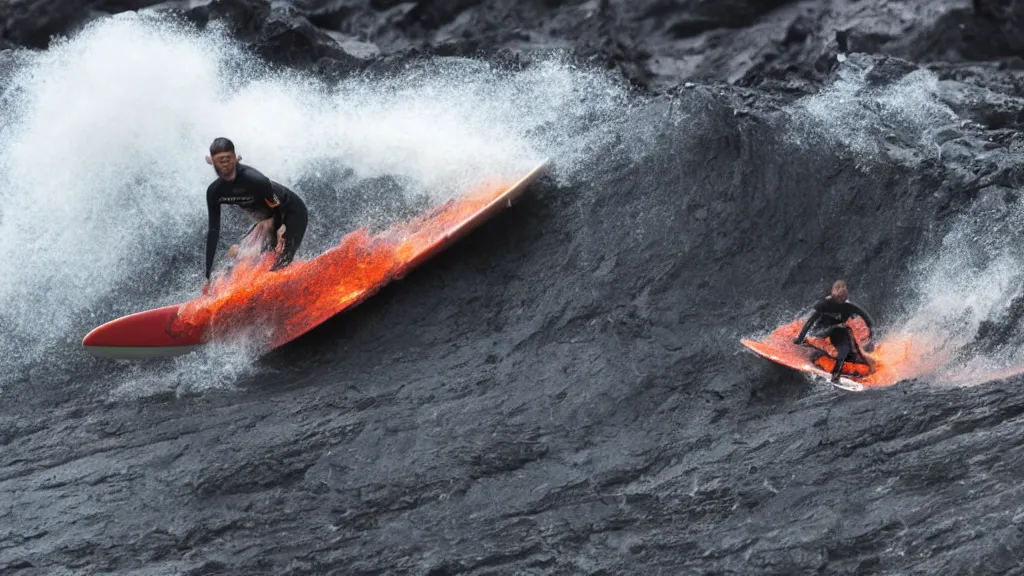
(287, 303)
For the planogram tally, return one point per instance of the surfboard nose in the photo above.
(140, 335)
(95, 337)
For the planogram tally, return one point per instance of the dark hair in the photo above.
(221, 145)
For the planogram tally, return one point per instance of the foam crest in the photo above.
(972, 280)
(862, 114)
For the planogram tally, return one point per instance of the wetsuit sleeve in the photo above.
(867, 318)
(807, 326)
(213, 231)
(264, 190)
(819, 307)
(277, 225)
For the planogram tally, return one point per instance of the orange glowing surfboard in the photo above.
(274, 308)
(887, 356)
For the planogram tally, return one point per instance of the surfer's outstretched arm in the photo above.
(869, 345)
(264, 189)
(867, 318)
(807, 326)
(213, 232)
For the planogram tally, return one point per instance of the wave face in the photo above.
(563, 391)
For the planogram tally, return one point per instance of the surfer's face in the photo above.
(839, 292)
(225, 163)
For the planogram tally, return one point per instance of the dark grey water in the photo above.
(562, 392)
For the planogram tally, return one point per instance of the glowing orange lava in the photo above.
(285, 304)
(897, 357)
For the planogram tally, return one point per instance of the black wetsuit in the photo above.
(828, 320)
(261, 198)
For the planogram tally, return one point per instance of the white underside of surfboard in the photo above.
(138, 352)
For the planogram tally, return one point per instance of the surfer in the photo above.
(269, 203)
(829, 321)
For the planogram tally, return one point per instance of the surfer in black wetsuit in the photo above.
(829, 321)
(260, 197)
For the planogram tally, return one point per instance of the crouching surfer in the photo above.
(280, 213)
(829, 321)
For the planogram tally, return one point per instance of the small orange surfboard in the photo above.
(779, 348)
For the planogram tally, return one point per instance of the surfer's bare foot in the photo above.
(233, 251)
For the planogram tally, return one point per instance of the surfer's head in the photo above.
(222, 158)
(839, 291)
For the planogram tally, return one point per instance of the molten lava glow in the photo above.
(897, 357)
(284, 304)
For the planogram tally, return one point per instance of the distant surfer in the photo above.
(270, 204)
(829, 321)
